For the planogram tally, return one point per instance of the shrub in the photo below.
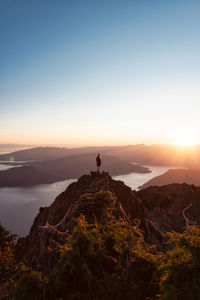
(179, 268)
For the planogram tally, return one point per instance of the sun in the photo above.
(185, 139)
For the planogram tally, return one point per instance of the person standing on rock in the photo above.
(98, 161)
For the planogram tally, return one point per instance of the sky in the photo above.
(99, 72)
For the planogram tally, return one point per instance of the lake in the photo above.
(19, 206)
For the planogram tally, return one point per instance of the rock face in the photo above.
(165, 205)
(93, 183)
(159, 209)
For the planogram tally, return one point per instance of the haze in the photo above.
(99, 72)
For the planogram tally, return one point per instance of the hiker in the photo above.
(98, 161)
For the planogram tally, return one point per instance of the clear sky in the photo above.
(99, 72)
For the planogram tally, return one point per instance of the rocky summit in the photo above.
(158, 209)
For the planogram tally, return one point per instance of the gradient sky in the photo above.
(99, 72)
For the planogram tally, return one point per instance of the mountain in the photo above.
(51, 153)
(158, 154)
(131, 203)
(188, 176)
(101, 240)
(65, 168)
(159, 209)
(163, 155)
(24, 176)
(34, 154)
(76, 165)
(165, 205)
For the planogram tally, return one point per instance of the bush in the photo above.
(95, 207)
(102, 257)
(179, 269)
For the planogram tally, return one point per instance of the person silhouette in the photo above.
(98, 161)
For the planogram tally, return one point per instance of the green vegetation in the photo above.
(179, 269)
(98, 207)
(105, 258)
(18, 281)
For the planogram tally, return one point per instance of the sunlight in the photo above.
(185, 139)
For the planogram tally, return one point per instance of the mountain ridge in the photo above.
(157, 154)
(158, 209)
(90, 184)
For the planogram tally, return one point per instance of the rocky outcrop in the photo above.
(165, 205)
(159, 209)
(93, 183)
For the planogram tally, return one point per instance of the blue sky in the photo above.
(99, 72)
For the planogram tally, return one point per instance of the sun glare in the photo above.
(185, 139)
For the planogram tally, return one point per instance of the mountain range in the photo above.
(49, 171)
(51, 164)
(158, 154)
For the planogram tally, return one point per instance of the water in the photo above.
(5, 150)
(6, 167)
(19, 206)
(134, 180)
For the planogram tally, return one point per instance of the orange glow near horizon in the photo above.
(185, 139)
(182, 139)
